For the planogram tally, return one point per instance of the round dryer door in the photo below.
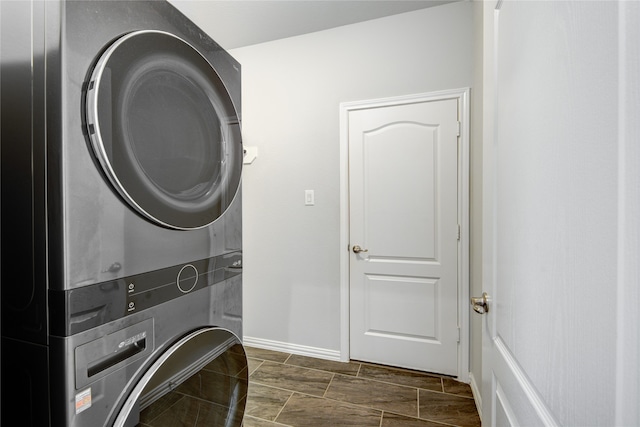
(203, 376)
(164, 129)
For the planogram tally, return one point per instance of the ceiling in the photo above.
(238, 23)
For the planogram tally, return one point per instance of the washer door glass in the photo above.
(202, 376)
(164, 129)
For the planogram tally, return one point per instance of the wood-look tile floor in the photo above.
(298, 391)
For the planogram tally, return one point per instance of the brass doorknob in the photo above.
(480, 304)
(357, 249)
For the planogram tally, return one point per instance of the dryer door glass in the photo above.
(202, 376)
(164, 129)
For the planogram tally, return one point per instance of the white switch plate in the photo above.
(309, 198)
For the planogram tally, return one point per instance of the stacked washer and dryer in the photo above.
(121, 218)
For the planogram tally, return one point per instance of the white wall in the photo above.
(292, 89)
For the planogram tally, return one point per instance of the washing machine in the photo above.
(121, 159)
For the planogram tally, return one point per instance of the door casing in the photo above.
(462, 96)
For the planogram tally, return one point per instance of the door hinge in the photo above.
(459, 232)
(459, 126)
(458, 333)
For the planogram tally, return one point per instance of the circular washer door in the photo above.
(164, 129)
(202, 376)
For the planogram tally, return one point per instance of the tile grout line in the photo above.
(408, 370)
(324, 395)
(270, 422)
(283, 406)
(441, 391)
(280, 388)
(256, 368)
(321, 370)
(293, 365)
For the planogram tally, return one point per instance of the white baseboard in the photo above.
(302, 350)
(477, 396)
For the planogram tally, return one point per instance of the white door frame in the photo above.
(462, 95)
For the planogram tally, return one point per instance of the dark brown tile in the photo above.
(308, 411)
(447, 408)
(292, 378)
(213, 387)
(401, 377)
(262, 354)
(394, 420)
(374, 394)
(228, 363)
(189, 411)
(159, 406)
(345, 368)
(266, 402)
(456, 387)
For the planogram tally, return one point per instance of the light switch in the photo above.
(309, 198)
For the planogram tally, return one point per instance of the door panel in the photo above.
(552, 211)
(395, 306)
(411, 145)
(403, 213)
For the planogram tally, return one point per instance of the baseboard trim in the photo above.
(302, 350)
(475, 390)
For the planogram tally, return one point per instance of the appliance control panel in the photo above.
(94, 305)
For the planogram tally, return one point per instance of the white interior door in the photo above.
(561, 211)
(403, 171)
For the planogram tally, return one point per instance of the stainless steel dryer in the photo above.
(121, 162)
